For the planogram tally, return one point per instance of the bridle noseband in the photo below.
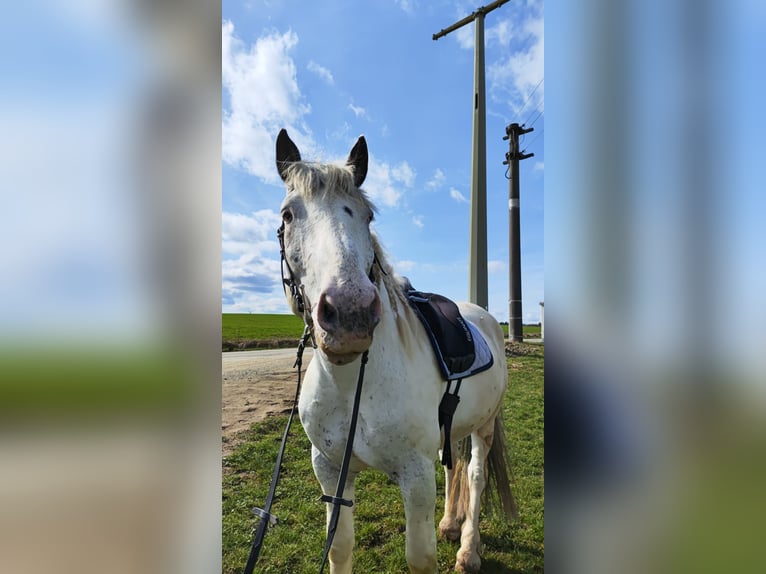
(296, 290)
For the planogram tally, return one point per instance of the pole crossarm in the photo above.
(482, 10)
(512, 132)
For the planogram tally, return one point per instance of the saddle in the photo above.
(461, 351)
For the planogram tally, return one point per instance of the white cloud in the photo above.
(249, 234)
(517, 76)
(384, 182)
(250, 270)
(407, 5)
(464, 37)
(264, 96)
(342, 133)
(404, 173)
(418, 221)
(437, 180)
(320, 71)
(502, 33)
(457, 196)
(496, 266)
(539, 166)
(359, 111)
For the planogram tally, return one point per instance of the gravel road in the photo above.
(256, 384)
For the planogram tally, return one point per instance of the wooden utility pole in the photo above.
(477, 251)
(515, 326)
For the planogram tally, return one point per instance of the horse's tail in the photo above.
(498, 472)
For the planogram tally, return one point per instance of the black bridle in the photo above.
(296, 291)
(266, 518)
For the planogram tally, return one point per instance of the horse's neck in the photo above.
(400, 331)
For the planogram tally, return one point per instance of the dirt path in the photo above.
(256, 384)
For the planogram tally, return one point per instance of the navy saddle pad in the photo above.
(460, 349)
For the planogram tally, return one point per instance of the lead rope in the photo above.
(264, 513)
(337, 501)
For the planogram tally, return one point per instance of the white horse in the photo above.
(348, 292)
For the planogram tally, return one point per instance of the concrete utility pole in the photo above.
(512, 133)
(477, 251)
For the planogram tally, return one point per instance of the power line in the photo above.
(534, 139)
(532, 93)
(537, 117)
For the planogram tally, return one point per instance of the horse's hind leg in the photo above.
(343, 543)
(468, 559)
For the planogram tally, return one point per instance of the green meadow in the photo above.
(246, 330)
(295, 544)
(251, 330)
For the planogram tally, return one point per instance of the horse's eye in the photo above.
(287, 216)
(370, 218)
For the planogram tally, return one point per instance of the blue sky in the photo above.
(332, 71)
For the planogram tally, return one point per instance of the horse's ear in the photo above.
(287, 152)
(357, 159)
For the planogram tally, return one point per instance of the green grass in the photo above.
(530, 331)
(295, 545)
(246, 326)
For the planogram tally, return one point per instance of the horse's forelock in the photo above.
(311, 179)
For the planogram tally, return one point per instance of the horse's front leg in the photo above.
(418, 484)
(449, 526)
(343, 543)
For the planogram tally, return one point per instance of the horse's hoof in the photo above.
(449, 531)
(467, 562)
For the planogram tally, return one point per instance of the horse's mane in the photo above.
(385, 275)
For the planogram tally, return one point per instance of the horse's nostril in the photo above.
(327, 314)
(375, 311)
(348, 313)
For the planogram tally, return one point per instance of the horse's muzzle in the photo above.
(347, 316)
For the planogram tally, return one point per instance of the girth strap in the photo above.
(447, 408)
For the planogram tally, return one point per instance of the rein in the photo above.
(266, 518)
(338, 499)
(265, 513)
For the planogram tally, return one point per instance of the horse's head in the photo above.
(329, 249)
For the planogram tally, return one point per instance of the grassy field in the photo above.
(295, 545)
(530, 331)
(244, 329)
